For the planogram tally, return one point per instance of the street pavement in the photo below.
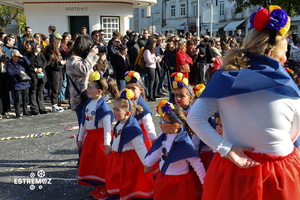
(39, 156)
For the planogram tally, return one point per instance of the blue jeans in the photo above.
(122, 84)
(62, 94)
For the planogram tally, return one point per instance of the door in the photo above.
(76, 22)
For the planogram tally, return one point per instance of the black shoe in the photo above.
(158, 96)
(43, 111)
(151, 99)
(26, 114)
(34, 113)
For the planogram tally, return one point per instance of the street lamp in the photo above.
(198, 18)
(211, 17)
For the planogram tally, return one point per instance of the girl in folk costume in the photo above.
(183, 94)
(259, 105)
(128, 152)
(205, 152)
(94, 138)
(183, 97)
(176, 151)
(145, 118)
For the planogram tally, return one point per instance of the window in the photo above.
(222, 9)
(195, 10)
(143, 13)
(182, 9)
(109, 25)
(173, 14)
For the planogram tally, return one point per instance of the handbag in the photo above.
(40, 75)
(184, 68)
(24, 77)
(83, 95)
(218, 63)
(3, 67)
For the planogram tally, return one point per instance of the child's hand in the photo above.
(147, 169)
(107, 150)
(79, 145)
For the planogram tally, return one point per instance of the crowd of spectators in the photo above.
(161, 54)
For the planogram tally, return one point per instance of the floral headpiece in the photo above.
(164, 107)
(128, 95)
(198, 89)
(179, 81)
(95, 76)
(289, 70)
(274, 18)
(132, 77)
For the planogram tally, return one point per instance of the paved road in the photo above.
(48, 157)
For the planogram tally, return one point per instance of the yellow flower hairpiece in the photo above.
(164, 107)
(178, 80)
(198, 89)
(127, 94)
(132, 76)
(95, 76)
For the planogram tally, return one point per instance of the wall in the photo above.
(39, 18)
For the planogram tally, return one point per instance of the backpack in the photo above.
(140, 61)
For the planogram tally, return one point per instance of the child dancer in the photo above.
(125, 177)
(176, 151)
(145, 118)
(183, 95)
(96, 125)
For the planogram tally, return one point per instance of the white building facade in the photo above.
(216, 16)
(71, 15)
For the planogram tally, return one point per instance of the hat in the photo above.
(57, 35)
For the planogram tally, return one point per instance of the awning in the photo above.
(180, 27)
(232, 25)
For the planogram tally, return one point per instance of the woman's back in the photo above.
(262, 120)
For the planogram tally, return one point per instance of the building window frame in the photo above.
(173, 11)
(109, 24)
(182, 9)
(222, 8)
(142, 13)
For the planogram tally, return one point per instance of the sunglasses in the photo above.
(164, 122)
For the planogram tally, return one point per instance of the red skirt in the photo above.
(125, 177)
(93, 160)
(147, 140)
(148, 144)
(175, 187)
(276, 178)
(206, 158)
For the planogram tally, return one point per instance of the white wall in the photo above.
(39, 18)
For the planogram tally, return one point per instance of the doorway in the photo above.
(76, 22)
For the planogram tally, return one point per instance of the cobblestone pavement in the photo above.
(42, 149)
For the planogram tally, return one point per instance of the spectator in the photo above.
(51, 30)
(82, 58)
(4, 85)
(133, 47)
(15, 67)
(143, 41)
(8, 46)
(150, 59)
(55, 64)
(36, 71)
(28, 33)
